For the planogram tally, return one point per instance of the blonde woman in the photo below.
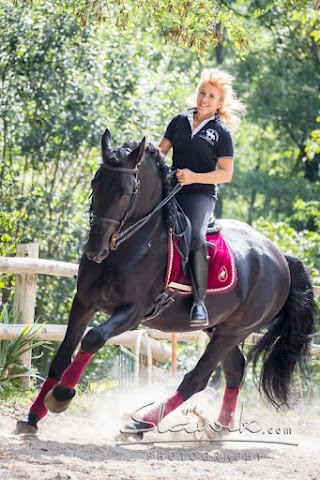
(201, 140)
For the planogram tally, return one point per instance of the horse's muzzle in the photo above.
(97, 258)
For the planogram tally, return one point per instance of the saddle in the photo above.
(222, 276)
(182, 232)
(222, 271)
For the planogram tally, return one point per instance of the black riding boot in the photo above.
(199, 277)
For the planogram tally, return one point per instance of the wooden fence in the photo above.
(27, 266)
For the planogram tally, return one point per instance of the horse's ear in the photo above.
(136, 156)
(106, 143)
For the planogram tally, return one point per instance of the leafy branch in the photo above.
(10, 351)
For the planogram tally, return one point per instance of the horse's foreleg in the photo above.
(121, 321)
(79, 318)
(233, 368)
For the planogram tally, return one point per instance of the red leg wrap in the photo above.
(72, 374)
(228, 408)
(156, 414)
(38, 407)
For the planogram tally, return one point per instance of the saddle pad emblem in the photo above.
(222, 275)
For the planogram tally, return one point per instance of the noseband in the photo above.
(134, 195)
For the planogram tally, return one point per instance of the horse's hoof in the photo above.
(58, 406)
(134, 430)
(136, 426)
(23, 427)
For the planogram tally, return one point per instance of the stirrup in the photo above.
(199, 315)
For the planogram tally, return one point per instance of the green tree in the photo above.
(277, 161)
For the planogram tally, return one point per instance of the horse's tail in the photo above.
(285, 346)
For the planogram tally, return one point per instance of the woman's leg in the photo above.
(198, 208)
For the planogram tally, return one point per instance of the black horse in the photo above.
(123, 270)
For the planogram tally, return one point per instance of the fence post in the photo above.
(25, 297)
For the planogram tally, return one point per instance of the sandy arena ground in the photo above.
(82, 444)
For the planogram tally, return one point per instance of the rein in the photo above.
(119, 236)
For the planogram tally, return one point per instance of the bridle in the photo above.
(134, 196)
(120, 236)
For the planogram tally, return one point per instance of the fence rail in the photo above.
(194, 337)
(27, 266)
(160, 352)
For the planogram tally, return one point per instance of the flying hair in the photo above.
(232, 110)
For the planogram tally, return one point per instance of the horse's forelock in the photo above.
(129, 144)
(117, 156)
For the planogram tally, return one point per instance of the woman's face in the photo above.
(209, 100)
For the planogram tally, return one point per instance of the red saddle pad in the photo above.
(222, 275)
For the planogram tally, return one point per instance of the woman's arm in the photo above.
(165, 146)
(222, 175)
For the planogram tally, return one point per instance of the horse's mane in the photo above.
(170, 209)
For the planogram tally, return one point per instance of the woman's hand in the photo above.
(185, 176)
(222, 175)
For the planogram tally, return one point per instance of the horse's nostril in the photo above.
(97, 257)
(90, 255)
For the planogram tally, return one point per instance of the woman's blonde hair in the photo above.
(232, 110)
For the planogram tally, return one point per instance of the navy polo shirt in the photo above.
(199, 149)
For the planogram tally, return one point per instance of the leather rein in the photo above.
(120, 236)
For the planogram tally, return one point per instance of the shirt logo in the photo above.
(210, 135)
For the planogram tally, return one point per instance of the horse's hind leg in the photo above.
(79, 318)
(196, 380)
(233, 369)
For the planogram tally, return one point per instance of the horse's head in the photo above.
(114, 189)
